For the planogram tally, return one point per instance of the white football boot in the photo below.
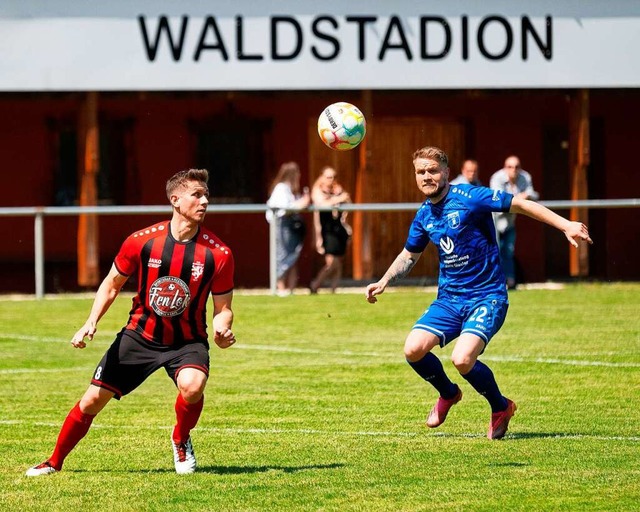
(41, 469)
(184, 458)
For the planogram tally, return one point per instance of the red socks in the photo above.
(77, 424)
(187, 416)
(74, 428)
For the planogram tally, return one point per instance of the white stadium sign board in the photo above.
(300, 45)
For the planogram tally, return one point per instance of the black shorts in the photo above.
(130, 360)
(334, 238)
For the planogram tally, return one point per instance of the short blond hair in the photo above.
(432, 153)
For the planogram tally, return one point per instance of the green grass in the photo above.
(315, 409)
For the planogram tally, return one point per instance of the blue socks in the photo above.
(482, 379)
(430, 369)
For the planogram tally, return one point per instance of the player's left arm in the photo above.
(223, 320)
(574, 231)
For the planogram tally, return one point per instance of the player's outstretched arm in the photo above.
(574, 231)
(400, 267)
(223, 320)
(106, 294)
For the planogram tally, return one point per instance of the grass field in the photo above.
(315, 409)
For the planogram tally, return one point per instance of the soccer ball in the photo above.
(341, 126)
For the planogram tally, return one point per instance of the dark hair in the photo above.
(433, 153)
(181, 178)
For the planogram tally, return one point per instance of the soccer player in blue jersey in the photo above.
(472, 297)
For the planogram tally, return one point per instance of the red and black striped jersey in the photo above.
(174, 282)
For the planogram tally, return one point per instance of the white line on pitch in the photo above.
(296, 350)
(11, 371)
(569, 362)
(502, 359)
(305, 431)
(22, 337)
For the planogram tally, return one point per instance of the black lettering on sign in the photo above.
(395, 23)
(163, 28)
(361, 22)
(218, 44)
(325, 37)
(494, 38)
(545, 49)
(279, 20)
(438, 20)
(240, 42)
(465, 38)
(508, 36)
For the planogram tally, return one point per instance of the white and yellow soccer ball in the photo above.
(342, 126)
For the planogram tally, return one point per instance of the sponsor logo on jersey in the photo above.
(461, 192)
(155, 262)
(197, 268)
(453, 219)
(496, 195)
(446, 244)
(169, 296)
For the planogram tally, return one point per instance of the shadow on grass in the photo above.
(542, 435)
(219, 470)
(516, 436)
(237, 470)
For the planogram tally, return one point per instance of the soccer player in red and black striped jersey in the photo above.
(179, 263)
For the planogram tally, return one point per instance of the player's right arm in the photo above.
(400, 267)
(106, 294)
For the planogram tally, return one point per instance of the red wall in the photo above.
(500, 123)
(620, 179)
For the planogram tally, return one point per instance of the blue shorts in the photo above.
(447, 320)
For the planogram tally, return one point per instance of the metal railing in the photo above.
(40, 212)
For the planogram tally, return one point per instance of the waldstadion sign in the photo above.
(247, 45)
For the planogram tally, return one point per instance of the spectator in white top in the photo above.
(515, 180)
(285, 193)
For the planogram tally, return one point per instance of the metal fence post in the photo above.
(274, 226)
(38, 234)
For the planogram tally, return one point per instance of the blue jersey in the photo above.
(461, 227)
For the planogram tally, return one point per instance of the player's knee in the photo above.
(414, 350)
(88, 405)
(191, 385)
(191, 395)
(463, 363)
(418, 344)
(192, 392)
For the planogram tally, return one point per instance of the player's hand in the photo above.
(577, 231)
(224, 338)
(87, 330)
(374, 289)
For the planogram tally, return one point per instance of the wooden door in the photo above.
(382, 172)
